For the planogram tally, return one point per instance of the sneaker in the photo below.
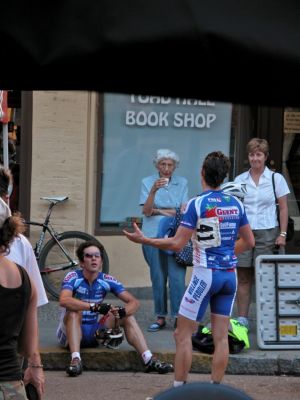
(155, 365)
(243, 321)
(75, 367)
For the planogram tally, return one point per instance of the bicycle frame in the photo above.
(55, 252)
(39, 244)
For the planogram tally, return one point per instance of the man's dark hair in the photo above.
(5, 179)
(215, 168)
(84, 245)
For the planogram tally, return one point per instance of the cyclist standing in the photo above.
(212, 220)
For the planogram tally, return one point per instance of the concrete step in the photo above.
(253, 361)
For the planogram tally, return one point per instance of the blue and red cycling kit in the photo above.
(91, 293)
(215, 218)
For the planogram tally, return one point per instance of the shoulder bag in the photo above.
(290, 228)
(167, 228)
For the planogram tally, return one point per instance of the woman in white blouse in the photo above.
(261, 212)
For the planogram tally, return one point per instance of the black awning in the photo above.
(241, 52)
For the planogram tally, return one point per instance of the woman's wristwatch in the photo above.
(283, 234)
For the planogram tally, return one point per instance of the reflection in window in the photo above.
(134, 127)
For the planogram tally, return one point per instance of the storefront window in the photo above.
(134, 127)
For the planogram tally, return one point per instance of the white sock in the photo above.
(178, 383)
(76, 355)
(147, 355)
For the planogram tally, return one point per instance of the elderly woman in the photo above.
(261, 212)
(161, 194)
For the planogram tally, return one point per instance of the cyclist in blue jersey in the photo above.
(84, 313)
(212, 220)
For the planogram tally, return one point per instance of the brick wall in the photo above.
(64, 161)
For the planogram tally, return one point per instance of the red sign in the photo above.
(4, 117)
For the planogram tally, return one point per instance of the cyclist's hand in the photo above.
(101, 308)
(121, 312)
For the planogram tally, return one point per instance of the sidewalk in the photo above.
(250, 362)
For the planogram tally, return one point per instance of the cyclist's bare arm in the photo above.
(67, 300)
(132, 304)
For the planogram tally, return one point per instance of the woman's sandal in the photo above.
(156, 326)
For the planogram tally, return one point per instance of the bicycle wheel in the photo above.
(54, 264)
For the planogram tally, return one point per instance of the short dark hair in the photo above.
(215, 168)
(84, 245)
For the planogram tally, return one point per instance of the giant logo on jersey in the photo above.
(228, 212)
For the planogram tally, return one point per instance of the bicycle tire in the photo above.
(51, 254)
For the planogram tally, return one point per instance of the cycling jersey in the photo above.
(216, 218)
(94, 293)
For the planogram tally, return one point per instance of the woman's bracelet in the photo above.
(283, 234)
(35, 366)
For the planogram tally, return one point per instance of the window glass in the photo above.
(135, 126)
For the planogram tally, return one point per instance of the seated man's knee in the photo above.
(128, 321)
(73, 316)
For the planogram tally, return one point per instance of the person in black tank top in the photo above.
(18, 317)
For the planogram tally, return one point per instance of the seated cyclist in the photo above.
(84, 313)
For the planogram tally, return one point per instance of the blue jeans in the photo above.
(163, 267)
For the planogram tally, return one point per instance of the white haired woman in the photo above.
(161, 194)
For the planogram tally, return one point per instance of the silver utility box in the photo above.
(278, 301)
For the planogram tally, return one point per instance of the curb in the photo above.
(248, 363)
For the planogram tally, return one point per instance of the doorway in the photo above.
(19, 127)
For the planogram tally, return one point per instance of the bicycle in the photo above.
(58, 255)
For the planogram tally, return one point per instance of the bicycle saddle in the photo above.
(56, 199)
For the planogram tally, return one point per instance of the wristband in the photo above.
(283, 234)
(122, 312)
(35, 365)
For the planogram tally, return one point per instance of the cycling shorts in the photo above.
(88, 334)
(209, 286)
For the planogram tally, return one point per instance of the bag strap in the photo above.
(177, 217)
(273, 183)
(276, 200)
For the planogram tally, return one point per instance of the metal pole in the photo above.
(5, 145)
